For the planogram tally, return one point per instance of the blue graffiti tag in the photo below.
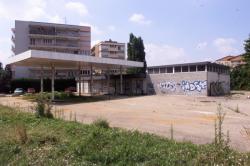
(194, 86)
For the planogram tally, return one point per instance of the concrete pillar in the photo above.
(53, 83)
(121, 81)
(79, 80)
(108, 80)
(91, 79)
(41, 83)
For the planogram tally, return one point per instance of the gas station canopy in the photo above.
(36, 58)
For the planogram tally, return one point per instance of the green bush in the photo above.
(43, 107)
(102, 123)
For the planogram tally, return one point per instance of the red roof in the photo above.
(226, 58)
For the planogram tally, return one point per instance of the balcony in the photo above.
(13, 38)
(52, 33)
(13, 48)
(55, 46)
(13, 30)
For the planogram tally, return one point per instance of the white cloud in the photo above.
(164, 54)
(56, 19)
(111, 28)
(30, 10)
(78, 7)
(25, 10)
(139, 19)
(225, 45)
(94, 29)
(201, 46)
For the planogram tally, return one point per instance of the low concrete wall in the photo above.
(185, 83)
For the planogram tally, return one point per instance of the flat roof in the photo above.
(189, 64)
(36, 58)
(53, 24)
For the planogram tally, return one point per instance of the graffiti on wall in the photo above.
(170, 86)
(193, 86)
(186, 86)
(216, 89)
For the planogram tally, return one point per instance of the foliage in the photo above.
(5, 78)
(101, 123)
(247, 52)
(56, 142)
(43, 107)
(21, 133)
(47, 96)
(136, 52)
(240, 75)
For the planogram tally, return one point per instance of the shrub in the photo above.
(21, 133)
(102, 123)
(43, 107)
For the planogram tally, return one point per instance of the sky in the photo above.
(174, 31)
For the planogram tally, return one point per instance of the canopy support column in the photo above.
(108, 80)
(91, 79)
(53, 83)
(79, 80)
(121, 81)
(41, 81)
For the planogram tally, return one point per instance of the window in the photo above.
(32, 42)
(169, 69)
(47, 41)
(201, 67)
(156, 70)
(184, 69)
(150, 71)
(177, 69)
(192, 68)
(163, 70)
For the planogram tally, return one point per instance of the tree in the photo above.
(240, 75)
(247, 51)
(5, 78)
(136, 52)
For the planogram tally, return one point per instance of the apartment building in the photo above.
(231, 61)
(109, 49)
(28, 35)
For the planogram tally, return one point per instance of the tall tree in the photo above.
(240, 75)
(136, 52)
(247, 51)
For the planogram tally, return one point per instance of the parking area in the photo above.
(192, 117)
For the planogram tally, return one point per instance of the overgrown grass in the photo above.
(64, 96)
(57, 142)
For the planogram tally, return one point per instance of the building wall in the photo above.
(64, 38)
(218, 84)
(109, 49)
(189, 83)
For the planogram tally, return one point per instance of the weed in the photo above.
(102, 123)
(43, 107)
(237, 110)
(21, 133)
(171, 132)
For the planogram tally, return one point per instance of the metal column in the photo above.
(41, 83)
(121, 80)
(108, 80)
(53, 83)
(91, 79)
(79, 80)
